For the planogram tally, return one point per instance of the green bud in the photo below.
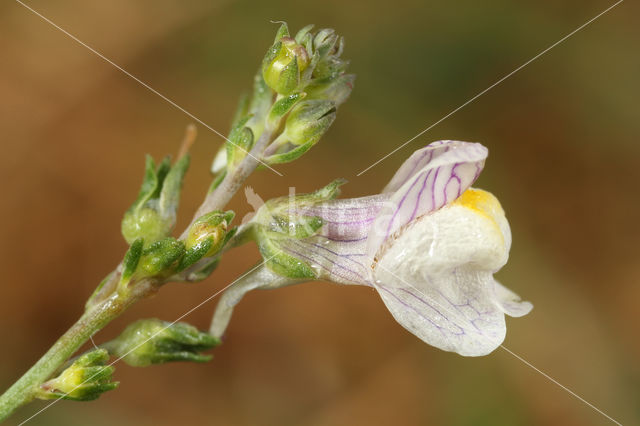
(153, 214)
(335, 89)
(84, 380)
(206, 237)
(144, 222)
(161, 258)
(309, 120)
(283, 65)
(152, 341)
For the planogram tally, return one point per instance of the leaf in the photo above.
(171, 188)
(131, 259)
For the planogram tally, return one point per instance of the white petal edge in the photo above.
(510, 302)
(455, 313)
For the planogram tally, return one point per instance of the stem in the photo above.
(259, 278)
(23, 391)
(106, 308)
(233, 180)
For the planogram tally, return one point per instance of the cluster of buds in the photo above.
(84, 380)
(166, 257)
(152, 341)
(297, 91)
(289, 218)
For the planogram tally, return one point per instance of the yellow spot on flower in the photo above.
(483, 203)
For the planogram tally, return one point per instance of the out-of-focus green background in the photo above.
(564, 161)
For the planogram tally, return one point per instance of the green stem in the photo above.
(23, 391)
(233, 180)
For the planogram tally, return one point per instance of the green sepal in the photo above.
(131, 260)
(230, 234)
(149, 182)
(152, 341)
(281, 108)
(169, 196)
(152, 181)
(283, 31)
(301, 35)
(335, 89)
(152, 215)
(195, 253)
(291, 155)
(240, 142)
(297, 227)
(204, 272)
(217, 181)
(280, 262)
(325, 42)
(308, 121)
(271, 55)
(161, 258)
(261, 100)
(289, 78)
(84, 380)
(327, 192)
(242, 110)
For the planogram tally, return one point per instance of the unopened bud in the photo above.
(283, 65)
(335, 89)
(211, 226)
(84, 380)
(206, 237)
(153, 214)
(152, 341)
(160, 258)
(308, 121)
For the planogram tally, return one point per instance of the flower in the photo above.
(429, 244)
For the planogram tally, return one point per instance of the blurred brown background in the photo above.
(564, 161)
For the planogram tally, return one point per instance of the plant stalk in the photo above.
(23, 391)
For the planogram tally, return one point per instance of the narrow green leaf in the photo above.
(170, 193)
(131, 259)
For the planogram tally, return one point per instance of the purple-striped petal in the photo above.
(342, 262)
(431, 178)
(454, 312)
(337, 252)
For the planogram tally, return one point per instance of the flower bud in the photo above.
(153, 214)
(308, 121)
(211, 226)
(145, 222)
(152, 341)
(84, 380)
(283, 65)
(333, 89)
(160, 258)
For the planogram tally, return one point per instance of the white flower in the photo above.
(429, 244)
